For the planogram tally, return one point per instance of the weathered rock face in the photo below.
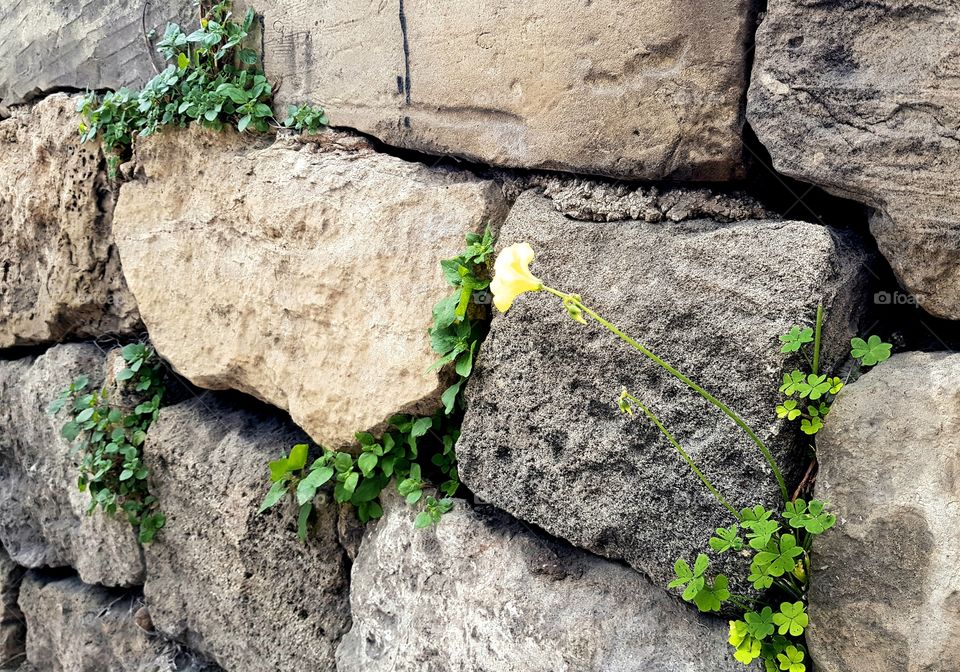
(543, 438)
(234, 585)
(644, 90)
(884, 595)
(79, 44)
(60, 270)
(74, 627)
(301, 273)
(12, 629)
(862, 99)
(481, 593)
(43, 520)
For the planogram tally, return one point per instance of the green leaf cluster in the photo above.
(109, 440)
(210, 79)
(459, 318)
(809, 393)
(414, 453)
(779, 554)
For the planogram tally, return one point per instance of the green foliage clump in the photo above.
(110, 440)
(809, 394)
(417, 453)
(210, 79)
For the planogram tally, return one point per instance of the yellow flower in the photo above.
(512, 276)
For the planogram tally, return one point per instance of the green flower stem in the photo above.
(814, 367)
(683, 453)
(682, 378)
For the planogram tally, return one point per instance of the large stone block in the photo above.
(482, 593)
(863, 98)
(74, 627)
(885, 593)
(234, 585)
(303, 272)
(60, 274)
(636, 88)
(543, 438)
(57, 45)
(43, 519)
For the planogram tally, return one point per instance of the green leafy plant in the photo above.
(109, 439)
(809, 393)
(416, 453)
(776, 546)
(210, 79)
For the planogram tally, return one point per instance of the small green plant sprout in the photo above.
(458, 319)
(810, 393)
(415, 453)
(210, 78)
(109, 439)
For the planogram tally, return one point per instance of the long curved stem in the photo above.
(686, 458)
(614, 329)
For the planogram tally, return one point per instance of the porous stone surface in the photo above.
(885, 593)
(482, 593)
(639, 89)
(43, 519)
(79, 44)
(75, 627)
(303, 272)
(863, 98)
(598, 200)
(12, 627)
(60, 274)
(543, 438)
(233, 585)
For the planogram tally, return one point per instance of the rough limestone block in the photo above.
(59, 270)
(885, 593)
(481, 593)
(43, 519)
(75, 627)
(303, 273)
(645, 89)
(53, 45)
(12, 627)
(543, 438)
(234, 585)
(863, 98)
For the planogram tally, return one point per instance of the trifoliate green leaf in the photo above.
(870, 352)
(795, 338)
(791, 619)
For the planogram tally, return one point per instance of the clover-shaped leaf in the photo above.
(795, 338)
(747, 647)
(815, 387)
(779, 557)
(727, 539)
(792, 618)
(791, 660)
(813, 517)
(811, 426)
(788, 409)
(750, 516)
(712, 596)
(691, 578)
(793, 382)
(760, 576)
(760, 624)
(835, 384)
(870, 352)
(761, 532)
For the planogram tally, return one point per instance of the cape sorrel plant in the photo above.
(777, 544)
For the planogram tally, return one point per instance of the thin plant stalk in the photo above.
(815, 365)
(683, 453)
(614, 329)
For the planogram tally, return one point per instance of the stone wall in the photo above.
(287, 283)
